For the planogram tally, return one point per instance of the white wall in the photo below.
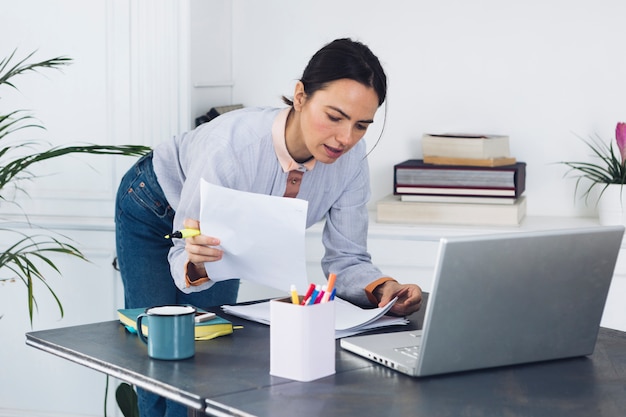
(540, 71)
(129, 83)
(75, 104)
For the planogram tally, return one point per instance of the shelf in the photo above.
(430, 232)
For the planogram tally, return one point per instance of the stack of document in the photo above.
(349, 319)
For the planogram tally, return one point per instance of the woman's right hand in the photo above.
(201, 248)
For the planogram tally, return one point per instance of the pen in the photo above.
(329, 287)
(308, 294)
(320, 295)
(183, 234)
(313, 296)
(294, 295)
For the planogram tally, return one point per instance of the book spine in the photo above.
(395, 211)
(457, 199)
(520, 179)
(513, 177)
(464, 147)
(457, 191)
(419, 164)
(480, 162)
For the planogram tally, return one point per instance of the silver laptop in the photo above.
(505, 299)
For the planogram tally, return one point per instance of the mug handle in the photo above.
(139, 331)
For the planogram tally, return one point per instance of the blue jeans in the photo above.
(142, 218)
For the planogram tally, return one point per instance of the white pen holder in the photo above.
(302, 340)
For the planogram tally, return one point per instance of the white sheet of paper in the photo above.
(262, 236)
(349, 319)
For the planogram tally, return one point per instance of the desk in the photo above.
(229, 376)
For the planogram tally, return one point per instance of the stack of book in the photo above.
(461, 180)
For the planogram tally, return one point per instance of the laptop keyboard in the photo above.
(413, 350)
(410, 351)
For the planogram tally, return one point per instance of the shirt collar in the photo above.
(280, 146)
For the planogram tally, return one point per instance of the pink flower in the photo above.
(620, 137)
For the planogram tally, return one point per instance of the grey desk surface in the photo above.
(230, 376)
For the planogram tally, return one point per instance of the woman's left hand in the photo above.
(409, 297)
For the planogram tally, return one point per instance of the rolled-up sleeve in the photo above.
(345, 240)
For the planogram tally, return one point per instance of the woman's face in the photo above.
(331, 121)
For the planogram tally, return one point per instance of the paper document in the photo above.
(349, 319)
(262, 236)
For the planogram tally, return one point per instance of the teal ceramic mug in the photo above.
(170, 334)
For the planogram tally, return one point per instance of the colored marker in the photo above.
(308, 294)
(294, 295)
(319, 297)
(320, 294)
(332, 295)
(330, 287)
(314, 296)
(183, 234)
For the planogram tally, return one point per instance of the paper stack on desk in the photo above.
(349, 319)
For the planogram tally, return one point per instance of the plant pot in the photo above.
(612, 205)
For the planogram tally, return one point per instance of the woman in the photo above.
(310, 150)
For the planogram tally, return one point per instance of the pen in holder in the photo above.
(302, 340)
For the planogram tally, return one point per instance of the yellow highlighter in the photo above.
(183, 234)
(294, 295)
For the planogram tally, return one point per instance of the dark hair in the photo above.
(340, 59)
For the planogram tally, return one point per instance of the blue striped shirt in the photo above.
(236, 150)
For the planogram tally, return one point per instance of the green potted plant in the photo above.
(608, 174)
(23, 252)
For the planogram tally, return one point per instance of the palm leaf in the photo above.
(609, 170)
(11, 169)
(24, 259)
(21, 67)
(21, 259)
